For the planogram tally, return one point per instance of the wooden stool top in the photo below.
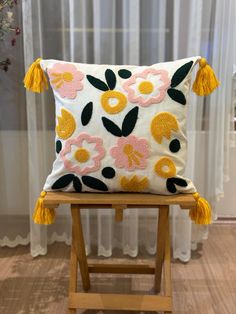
(53, 199)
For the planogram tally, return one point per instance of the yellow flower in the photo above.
(66, 124)
(162, 125)
(113, 101)
(134, 184)
(165, 167)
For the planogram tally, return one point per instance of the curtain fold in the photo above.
(129, 32)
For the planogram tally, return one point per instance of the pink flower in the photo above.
(148, 87)
(130, 153)
(66, 79)
(83, 154)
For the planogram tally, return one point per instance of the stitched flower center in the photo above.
(82, 155)
(128, 149)
(133, 155)
(146, 87)
(67, 76)
(113, 101)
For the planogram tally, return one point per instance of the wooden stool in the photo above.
(120, 201)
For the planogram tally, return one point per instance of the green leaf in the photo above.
(180, 74)
(97, 83)
(177, 95)
(63, 181)
(129, 121)
(110, 78)
(87, 113)
(94, 183)
(123, 73)
(111, 127)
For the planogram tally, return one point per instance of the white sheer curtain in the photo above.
(125, 32)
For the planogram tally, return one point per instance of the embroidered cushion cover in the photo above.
(120, 128)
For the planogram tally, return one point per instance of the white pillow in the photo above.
(120, 128)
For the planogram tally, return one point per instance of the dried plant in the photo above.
(7, 27)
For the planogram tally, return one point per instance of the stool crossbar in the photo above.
(162, 300)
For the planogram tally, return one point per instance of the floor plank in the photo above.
(207, 284)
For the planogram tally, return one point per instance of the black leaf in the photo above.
(77, 184)
(110, 78)
(170, 185)
(94, 183)
(174, 145)
(111, 127)
(58, 146)
(177, 95)
(180, 74)
(129, 121)
(87, 113)
(97, 83)
(63, 181)
(172, 182)
(179, 182)
(123, 73)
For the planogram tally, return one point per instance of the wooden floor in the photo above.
(207, 284)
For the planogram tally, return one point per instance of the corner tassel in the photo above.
(201, 214)
(205, 81)
(35, 79)
(42, 215)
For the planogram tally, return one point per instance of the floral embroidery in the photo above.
(112, 101)
(134, 184)
(130, 153)
(83, 154)
(148, 87)
(128, 124)
(66, 79)
(172, 182)
(162, 125)
(66, 124)
(91, 182)
(165, 168)
(177, 78)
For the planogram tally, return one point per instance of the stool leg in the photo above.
(79, 247)
(73, 272)
(163, 223)
(167, 264)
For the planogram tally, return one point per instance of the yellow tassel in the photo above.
(201, 214)
(35, 79)
(205, 81)
(42, 215)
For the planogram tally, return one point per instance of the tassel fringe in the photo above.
(35, 79)
(42, 215)
(206, 81)
(201, 214)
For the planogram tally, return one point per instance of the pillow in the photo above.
(119, 128)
